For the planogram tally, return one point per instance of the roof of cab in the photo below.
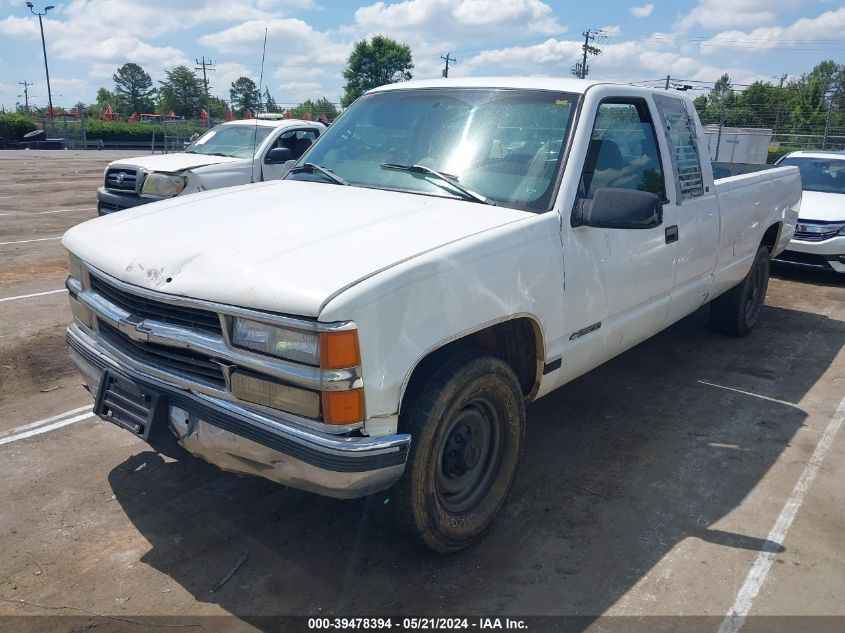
(536, 83)
(270, 122)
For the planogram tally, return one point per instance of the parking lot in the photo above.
(695, 475)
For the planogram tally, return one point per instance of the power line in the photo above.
(447, 59)
(205, 66)
(26, 86)
(581, 69)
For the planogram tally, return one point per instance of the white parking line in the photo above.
(61, 211)
(34, 294)
(44, 426)
(54, 418)
(735, 618)
(40, 239)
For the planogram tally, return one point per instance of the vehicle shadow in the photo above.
(620, 466)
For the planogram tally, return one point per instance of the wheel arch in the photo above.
(771, 237)
(517, 340)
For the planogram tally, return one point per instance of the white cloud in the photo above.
(827, 26)
(719, 14)
(642, 12)
(436, 17)
(288, 39)
(623, 61)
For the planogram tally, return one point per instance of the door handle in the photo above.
(671, 233)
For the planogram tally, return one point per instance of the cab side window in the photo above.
(623, 150)
(297, 141)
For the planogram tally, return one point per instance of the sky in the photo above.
(308, 41)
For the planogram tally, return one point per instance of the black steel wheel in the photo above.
(467, 422)
(737, 311)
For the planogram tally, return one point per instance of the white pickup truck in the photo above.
(233, 153)
(446, 251)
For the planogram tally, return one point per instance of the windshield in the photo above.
(503, 145)
(820, 174)
(230, 140)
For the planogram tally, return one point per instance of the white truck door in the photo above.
(618, 281)
(297, 140)
(695, 207)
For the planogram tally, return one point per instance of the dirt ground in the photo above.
(650, 487)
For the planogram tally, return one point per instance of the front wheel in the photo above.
(737, 311)
(467, 424)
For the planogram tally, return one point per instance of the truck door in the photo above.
(695, 207)
(618, 281)
(297, 141)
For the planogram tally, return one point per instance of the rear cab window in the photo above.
(682, 138)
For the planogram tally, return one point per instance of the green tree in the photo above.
(106, 98)
(270, 104)
(135, 87)
(181, 92)
(244, 95)
(375, 63)
(315, 109)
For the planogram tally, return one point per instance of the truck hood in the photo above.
(172, 163)
(283, 246)
(827, 207)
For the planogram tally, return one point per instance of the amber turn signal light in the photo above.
(343, 407)
(339, 350)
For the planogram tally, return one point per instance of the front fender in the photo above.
(406, 312)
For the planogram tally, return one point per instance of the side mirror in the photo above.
(278, 155)
(613, 208)
(286, 167)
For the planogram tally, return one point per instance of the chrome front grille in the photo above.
(817, 231)
(144, 308)
(183, 362)
(121, 179)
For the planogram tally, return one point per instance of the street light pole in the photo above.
(44, 50)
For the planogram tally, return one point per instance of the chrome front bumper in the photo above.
(244, 441)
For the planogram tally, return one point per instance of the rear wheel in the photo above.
(467, 425)
(737, 311)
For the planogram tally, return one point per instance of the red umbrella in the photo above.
(229, 115)
(204, 115)
(134, 118)
(248, 114)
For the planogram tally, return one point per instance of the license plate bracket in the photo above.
(132, 407)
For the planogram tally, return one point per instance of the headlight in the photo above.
(163, 185)
(295, 345)
(75, 268)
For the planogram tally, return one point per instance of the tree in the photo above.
(244, 95)
(106, 98)
(134, 87)
(270, 104)
(375, 63)
(315, 109)
(181, 92)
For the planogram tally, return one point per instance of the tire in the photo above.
(467, 424)
(737, 311)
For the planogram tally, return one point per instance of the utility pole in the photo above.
(44, 50)
(581, 69)
(827, 120)
(26, 86)
(205, 66)
(780, 100)
(447, 59)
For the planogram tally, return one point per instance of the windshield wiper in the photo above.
(310, 168)
(468, 194)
